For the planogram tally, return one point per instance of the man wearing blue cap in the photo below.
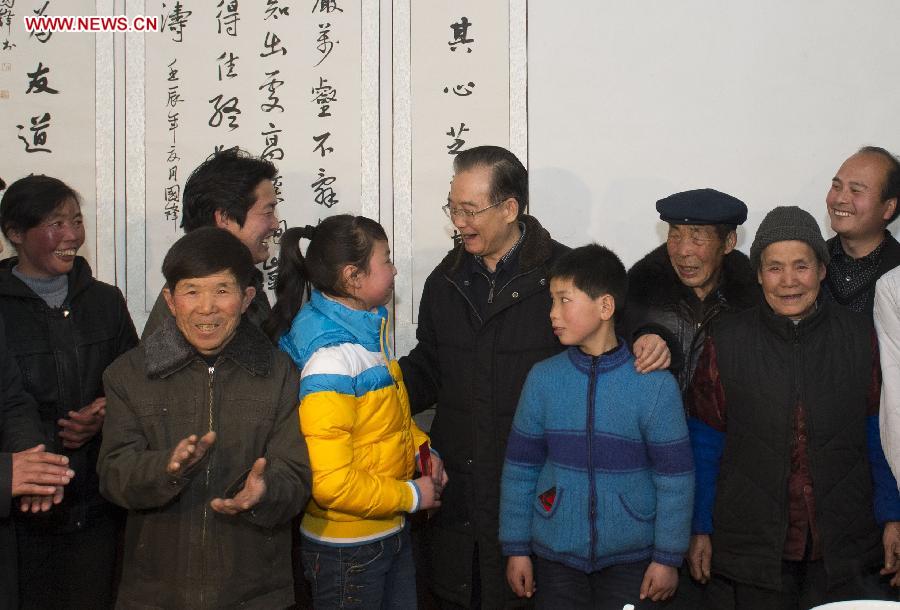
(677, 289)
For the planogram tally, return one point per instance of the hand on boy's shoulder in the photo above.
(651, 353)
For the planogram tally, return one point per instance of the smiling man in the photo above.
(676, 291)
(483, 322)
(234, 191)
(795, 504)
(202, 443)
(862, 202)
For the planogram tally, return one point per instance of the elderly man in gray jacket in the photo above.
(202, 443)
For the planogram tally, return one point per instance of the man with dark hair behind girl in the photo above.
(64, 328)
(354, 414)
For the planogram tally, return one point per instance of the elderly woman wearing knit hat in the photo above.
(795, 505)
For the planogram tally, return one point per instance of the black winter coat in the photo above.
(20, 429)
(658, 303)
(473, 369)
(766, 365)
(62, 354)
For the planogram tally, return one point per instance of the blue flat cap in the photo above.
(702, 207)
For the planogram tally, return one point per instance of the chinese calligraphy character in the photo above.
(454, 147)
(42, 36)
(272, 151)
(272, 42)
(228, 107)
(320, 143)
(325, 195)
(177, 20)
(7, 45)
(228, 64)
(274, 11)
(461, 90)
(173, 171)
(7, 14)
(272, 84)
(460, 31)
(172, 195)
(173, 72)
(282, 227)
(276, 182)
(326, 6)
(270, 266)
(174, 97)
(325, 44)
(173, 120)
(39, 125)
(173, 155)
(324, 96)
(231, 17)
(38, 82)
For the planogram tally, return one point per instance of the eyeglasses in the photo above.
(459, 212)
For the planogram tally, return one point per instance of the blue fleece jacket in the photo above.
(598, 468)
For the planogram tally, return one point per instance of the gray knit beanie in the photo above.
(784, 223)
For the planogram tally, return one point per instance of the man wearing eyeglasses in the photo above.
(677, 289)
(483, 322)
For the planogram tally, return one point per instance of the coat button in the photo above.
(466, 283)
(469, 461)
(543, 281)
(515, 295)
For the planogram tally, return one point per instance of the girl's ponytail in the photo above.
(292, 286)
(337, 241)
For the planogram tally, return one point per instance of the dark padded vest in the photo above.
(767, 364)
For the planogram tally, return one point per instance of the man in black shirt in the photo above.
(862, 202)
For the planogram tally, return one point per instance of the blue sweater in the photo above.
(624, 492)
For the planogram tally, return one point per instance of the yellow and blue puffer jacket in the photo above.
(354, 414)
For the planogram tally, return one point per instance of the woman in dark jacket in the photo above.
(64, 328)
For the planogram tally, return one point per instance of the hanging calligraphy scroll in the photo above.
(280, 79)
(459, 98)
(47, 103)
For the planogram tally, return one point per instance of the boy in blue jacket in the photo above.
(598, 483)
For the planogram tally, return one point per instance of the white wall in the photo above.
(630, 102)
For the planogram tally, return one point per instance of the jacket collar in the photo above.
(604, 363)
(785, 328)
(653, 281)
(166, 351)
(362, 326)
(323, 322)
(536, 248)
(80, 278)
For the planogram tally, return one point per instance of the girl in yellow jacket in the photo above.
(354, 414)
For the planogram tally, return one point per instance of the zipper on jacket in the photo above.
(466, 297)
(592, 509)
(491, 295)
(792, 416)
(212, 371)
